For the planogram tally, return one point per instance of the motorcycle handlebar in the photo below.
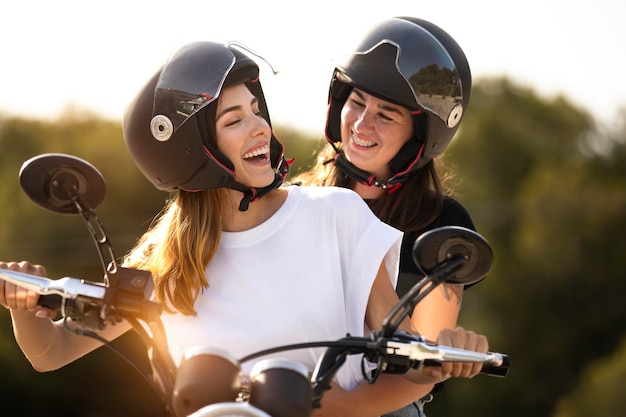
(493, 363)
(431, 354)
(127, 292)
(127, 296)
(67, 288)
(402, 351)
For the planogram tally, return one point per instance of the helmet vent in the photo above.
(455, 116)
(161, 127)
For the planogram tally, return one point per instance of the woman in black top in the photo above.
(394, 105)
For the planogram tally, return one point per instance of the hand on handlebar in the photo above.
(17, 298)
(462, 339)
(456, 338)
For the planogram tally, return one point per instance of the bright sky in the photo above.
(97, 54)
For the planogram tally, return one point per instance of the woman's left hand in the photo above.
(461, 339)
(457, 338)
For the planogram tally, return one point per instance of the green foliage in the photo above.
(299, 147)
(52, 239)
(554, 214)
(100, 384)
(599, 392)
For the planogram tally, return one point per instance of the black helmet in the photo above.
(168, 128)
(412, 63)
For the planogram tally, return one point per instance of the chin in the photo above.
(258, 183)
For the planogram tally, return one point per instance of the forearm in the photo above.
(47, 344)
(37, 338)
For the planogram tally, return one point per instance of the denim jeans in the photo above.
(415, 409)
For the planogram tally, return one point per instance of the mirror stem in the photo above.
(417, 293)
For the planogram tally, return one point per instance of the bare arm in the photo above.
(438, 310)
(45, 343)
(383, 299)
(392, 392)
(435, 317)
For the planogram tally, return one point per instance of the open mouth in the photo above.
(258, 154)
(363, 143)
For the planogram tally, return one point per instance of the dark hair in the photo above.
(416, 204)
(412, 207)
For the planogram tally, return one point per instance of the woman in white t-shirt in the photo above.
(239, 261)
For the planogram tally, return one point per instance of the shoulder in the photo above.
(454, 213)
(453, 205)
(333, 204)
(329, 195)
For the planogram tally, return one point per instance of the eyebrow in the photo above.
(234, 108)
(385, 107)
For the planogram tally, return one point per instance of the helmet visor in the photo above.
(398, 48)
(191, 79)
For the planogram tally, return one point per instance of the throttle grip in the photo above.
(490, 369)
(501, 370)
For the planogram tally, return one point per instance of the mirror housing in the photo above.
(438, 246)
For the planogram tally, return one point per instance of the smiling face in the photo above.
(243, 136)
(373, 131)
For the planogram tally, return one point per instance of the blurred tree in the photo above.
(553, 210)
(599, 392)
(299, 147)
(101, 384)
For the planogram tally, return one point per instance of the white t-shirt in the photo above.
(303, 275)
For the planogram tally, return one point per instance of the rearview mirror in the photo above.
(439, 246)
(56, 181)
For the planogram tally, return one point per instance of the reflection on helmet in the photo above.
(168, 128)
(415, 64)
(192, 79)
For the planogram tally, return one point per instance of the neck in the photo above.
(258, 212)
(368, 192)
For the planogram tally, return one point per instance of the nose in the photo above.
(260, 126)
(364, 121)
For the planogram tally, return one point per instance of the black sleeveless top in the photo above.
(453, 213)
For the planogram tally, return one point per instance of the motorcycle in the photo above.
(208, 382)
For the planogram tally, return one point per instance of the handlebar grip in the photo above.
(489, 369)
(501, 370)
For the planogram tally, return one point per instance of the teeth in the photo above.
(264, 150)
(361, 142)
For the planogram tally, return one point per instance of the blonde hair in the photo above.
(179, 245)
(323, 171)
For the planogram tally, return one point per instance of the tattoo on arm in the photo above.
(452, 291)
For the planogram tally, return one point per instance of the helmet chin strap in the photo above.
(251, 194)
(390, 185)
(400, 165)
